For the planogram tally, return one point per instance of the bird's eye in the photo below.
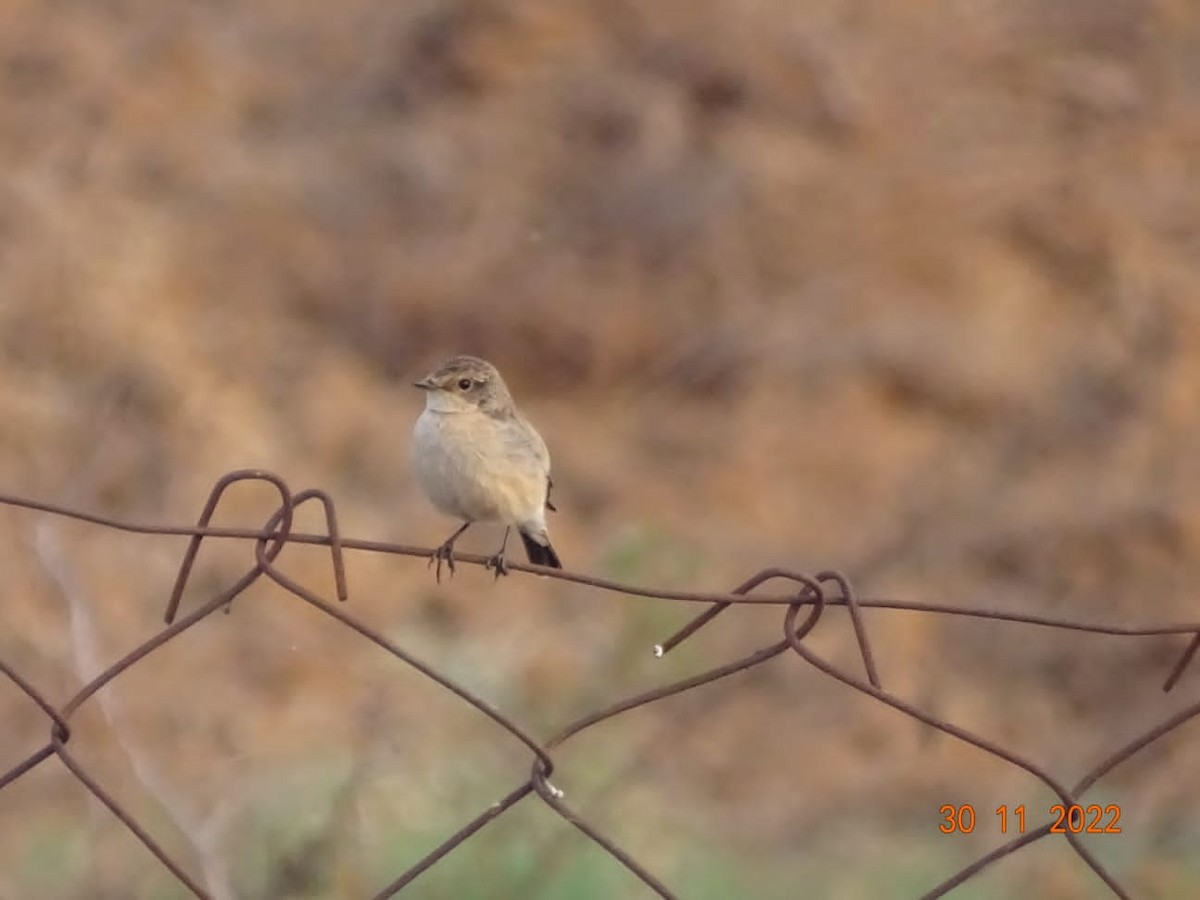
(464, 384)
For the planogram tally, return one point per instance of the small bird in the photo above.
(479, 460)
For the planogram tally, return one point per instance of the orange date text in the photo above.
(1073, 818)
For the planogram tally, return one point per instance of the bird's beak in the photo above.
(424, 384)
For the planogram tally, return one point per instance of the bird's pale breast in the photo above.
(478, 468)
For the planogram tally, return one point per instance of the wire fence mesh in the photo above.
(803, 602)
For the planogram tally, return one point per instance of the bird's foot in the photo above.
(444, 552)
(498, 563)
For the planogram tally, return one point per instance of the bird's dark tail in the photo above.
(539, 554)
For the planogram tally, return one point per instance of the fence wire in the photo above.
(804, 602)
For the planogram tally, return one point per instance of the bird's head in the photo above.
(465, 384)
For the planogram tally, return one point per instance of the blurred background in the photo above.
(907, 290)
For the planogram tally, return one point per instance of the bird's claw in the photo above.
(497, 563)
(444, 552)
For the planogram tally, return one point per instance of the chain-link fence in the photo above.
(802, 603)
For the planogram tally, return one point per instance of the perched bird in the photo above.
(479, 460)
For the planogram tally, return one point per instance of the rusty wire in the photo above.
(816, 593)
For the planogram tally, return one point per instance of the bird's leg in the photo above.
(498, 562)
(446, 552)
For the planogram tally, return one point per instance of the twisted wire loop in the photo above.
(816, 592)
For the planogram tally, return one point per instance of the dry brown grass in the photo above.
(905, 289)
